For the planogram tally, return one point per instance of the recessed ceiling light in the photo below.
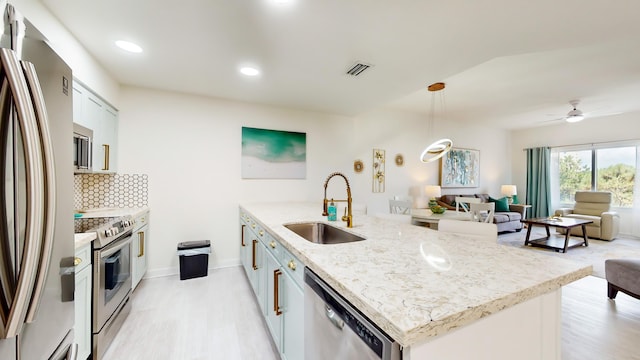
(249, 71)
(128, 46)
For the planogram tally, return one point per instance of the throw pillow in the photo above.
(502, 204)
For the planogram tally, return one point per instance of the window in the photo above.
(574, 173)
(612, 168)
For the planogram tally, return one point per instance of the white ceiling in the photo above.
(509, 63)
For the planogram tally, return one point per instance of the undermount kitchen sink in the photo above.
(321, 233)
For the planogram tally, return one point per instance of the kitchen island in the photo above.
(436, 294)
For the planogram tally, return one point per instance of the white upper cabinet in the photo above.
(90, 111)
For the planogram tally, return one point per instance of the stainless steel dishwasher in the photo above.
(334, 329)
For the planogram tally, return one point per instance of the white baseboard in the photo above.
(175, 270)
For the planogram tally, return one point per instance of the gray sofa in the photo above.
(505, 221)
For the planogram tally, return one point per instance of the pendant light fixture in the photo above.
(437, 148)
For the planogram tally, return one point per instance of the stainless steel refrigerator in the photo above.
(36, 196)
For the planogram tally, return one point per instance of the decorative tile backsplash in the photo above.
(93, 191)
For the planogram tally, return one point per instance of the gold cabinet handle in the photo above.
(253, 225)
(272, 244)
(242, 237)
(276, 306)
(106, 156)
(253, 258)
(141, 243)
(292, 265)
(77, 261)
(261, 232)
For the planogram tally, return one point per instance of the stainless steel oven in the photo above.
(111, 281)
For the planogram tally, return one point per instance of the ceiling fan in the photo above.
(576, 115)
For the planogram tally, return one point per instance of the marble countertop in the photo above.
(414, 282)
(83, 239)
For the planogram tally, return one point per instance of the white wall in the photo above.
(405, 133)
(190, 147)
(609, 129)
(85, 67)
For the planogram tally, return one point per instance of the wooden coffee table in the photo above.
(554, 242)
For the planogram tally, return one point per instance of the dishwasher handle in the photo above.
(333, 317)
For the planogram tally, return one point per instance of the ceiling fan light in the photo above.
(574, 118)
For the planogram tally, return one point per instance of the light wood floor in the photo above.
(213, 317)
(594, 327)
(216, 317)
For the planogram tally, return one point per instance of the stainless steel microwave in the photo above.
(82, 148)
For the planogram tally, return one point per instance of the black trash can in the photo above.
(194, 258)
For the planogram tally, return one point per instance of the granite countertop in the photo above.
(414, 282)
(111, 212)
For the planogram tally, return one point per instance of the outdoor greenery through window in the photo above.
(600, 169)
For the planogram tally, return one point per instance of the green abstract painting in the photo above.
(460, 168)
(273, 154)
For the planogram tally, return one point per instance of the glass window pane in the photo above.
(616, 171)
(575, 173)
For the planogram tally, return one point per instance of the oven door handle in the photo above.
(111, 250)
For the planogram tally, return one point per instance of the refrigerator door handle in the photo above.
(10, 66)
(49, 204)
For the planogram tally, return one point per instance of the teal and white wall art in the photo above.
(460, 168)
(273, 154)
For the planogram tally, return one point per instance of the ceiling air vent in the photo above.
(357, 69)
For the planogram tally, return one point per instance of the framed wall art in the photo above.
(273, 154)
(460, 168)
(378, 170)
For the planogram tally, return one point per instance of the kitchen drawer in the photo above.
(141, 221)
(272, 245)
(253, 225)
(293, 266)
(83, 257)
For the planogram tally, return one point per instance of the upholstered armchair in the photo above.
(594, 206)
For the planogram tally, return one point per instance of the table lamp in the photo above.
(433, 192)
(509, 191)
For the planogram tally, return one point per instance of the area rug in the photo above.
(595, 254)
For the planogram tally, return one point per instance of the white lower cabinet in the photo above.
(293, 320)
(139, 246)
(278, 286)
(82, 304)
(274, 312)
(139, 255)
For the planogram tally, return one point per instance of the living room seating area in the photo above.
(506, 216)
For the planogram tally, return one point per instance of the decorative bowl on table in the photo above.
(437, 209)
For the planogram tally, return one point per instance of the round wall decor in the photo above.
(399, 160)
(358, 166)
